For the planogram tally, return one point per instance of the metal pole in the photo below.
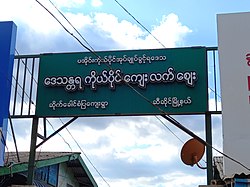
(209, 148)
(32, 155)
(215, 82)
(208, 141)
(14, 138)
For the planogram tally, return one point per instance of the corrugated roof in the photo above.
(72, 159)
(11, 157)
(218, 162)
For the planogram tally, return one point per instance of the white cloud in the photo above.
(122, 152)
(96, 3)
(123, 142)
(215, 104)
(102, 30)
(128, 35)
(29, 15)
(170, 32)
(79, 21)
(68, 3)
(169, 180)
(152, 153)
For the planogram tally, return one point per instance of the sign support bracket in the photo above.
(33, 146)
(32, 154)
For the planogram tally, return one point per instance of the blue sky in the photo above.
(199, 16)
(127, 151)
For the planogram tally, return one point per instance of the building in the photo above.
(64, 169)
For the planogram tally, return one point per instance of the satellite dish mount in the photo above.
(192, 152)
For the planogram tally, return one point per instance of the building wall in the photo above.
(66, 177)
(234, 58)
(48, 174)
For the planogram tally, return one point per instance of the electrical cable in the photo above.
(14, 137)
(87, 157)
(27, 95)
(39, 152)
(140, 23)
(91, 163)
(60, 135)
(71, 24)
(63, 25)
(27, 67)
(169, 129)
(88, 50)
(172, 132)
(46, 120)
(147, 30)
(164, 114)
(215, 93)
(179, 125)
(35, 105)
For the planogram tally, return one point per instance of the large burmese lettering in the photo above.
(116, 77)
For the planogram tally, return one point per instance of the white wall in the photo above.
(234, 44)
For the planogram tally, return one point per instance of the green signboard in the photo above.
(131, 82)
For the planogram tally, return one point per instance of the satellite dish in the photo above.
(192, 152)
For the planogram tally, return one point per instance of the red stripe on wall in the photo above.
(248, 78)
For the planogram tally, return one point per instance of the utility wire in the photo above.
(28, 96)
(46, 118)
(27, 66)
(88, 50)
(215, 93)
(169, 129)
(173, 132)
(60, 135)
(164, 114)
(39, 152)
(147, 30)
(177, 124)
(85, 154)
(63, 25)
(71, 25)
(150, 32)
(139, 23)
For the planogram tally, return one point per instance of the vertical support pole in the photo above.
(32, 155)
(215, 82)
(209, 148)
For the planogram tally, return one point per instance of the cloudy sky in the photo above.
(127, 151)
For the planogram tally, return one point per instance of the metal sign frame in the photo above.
(25, 79)
(106, 83)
